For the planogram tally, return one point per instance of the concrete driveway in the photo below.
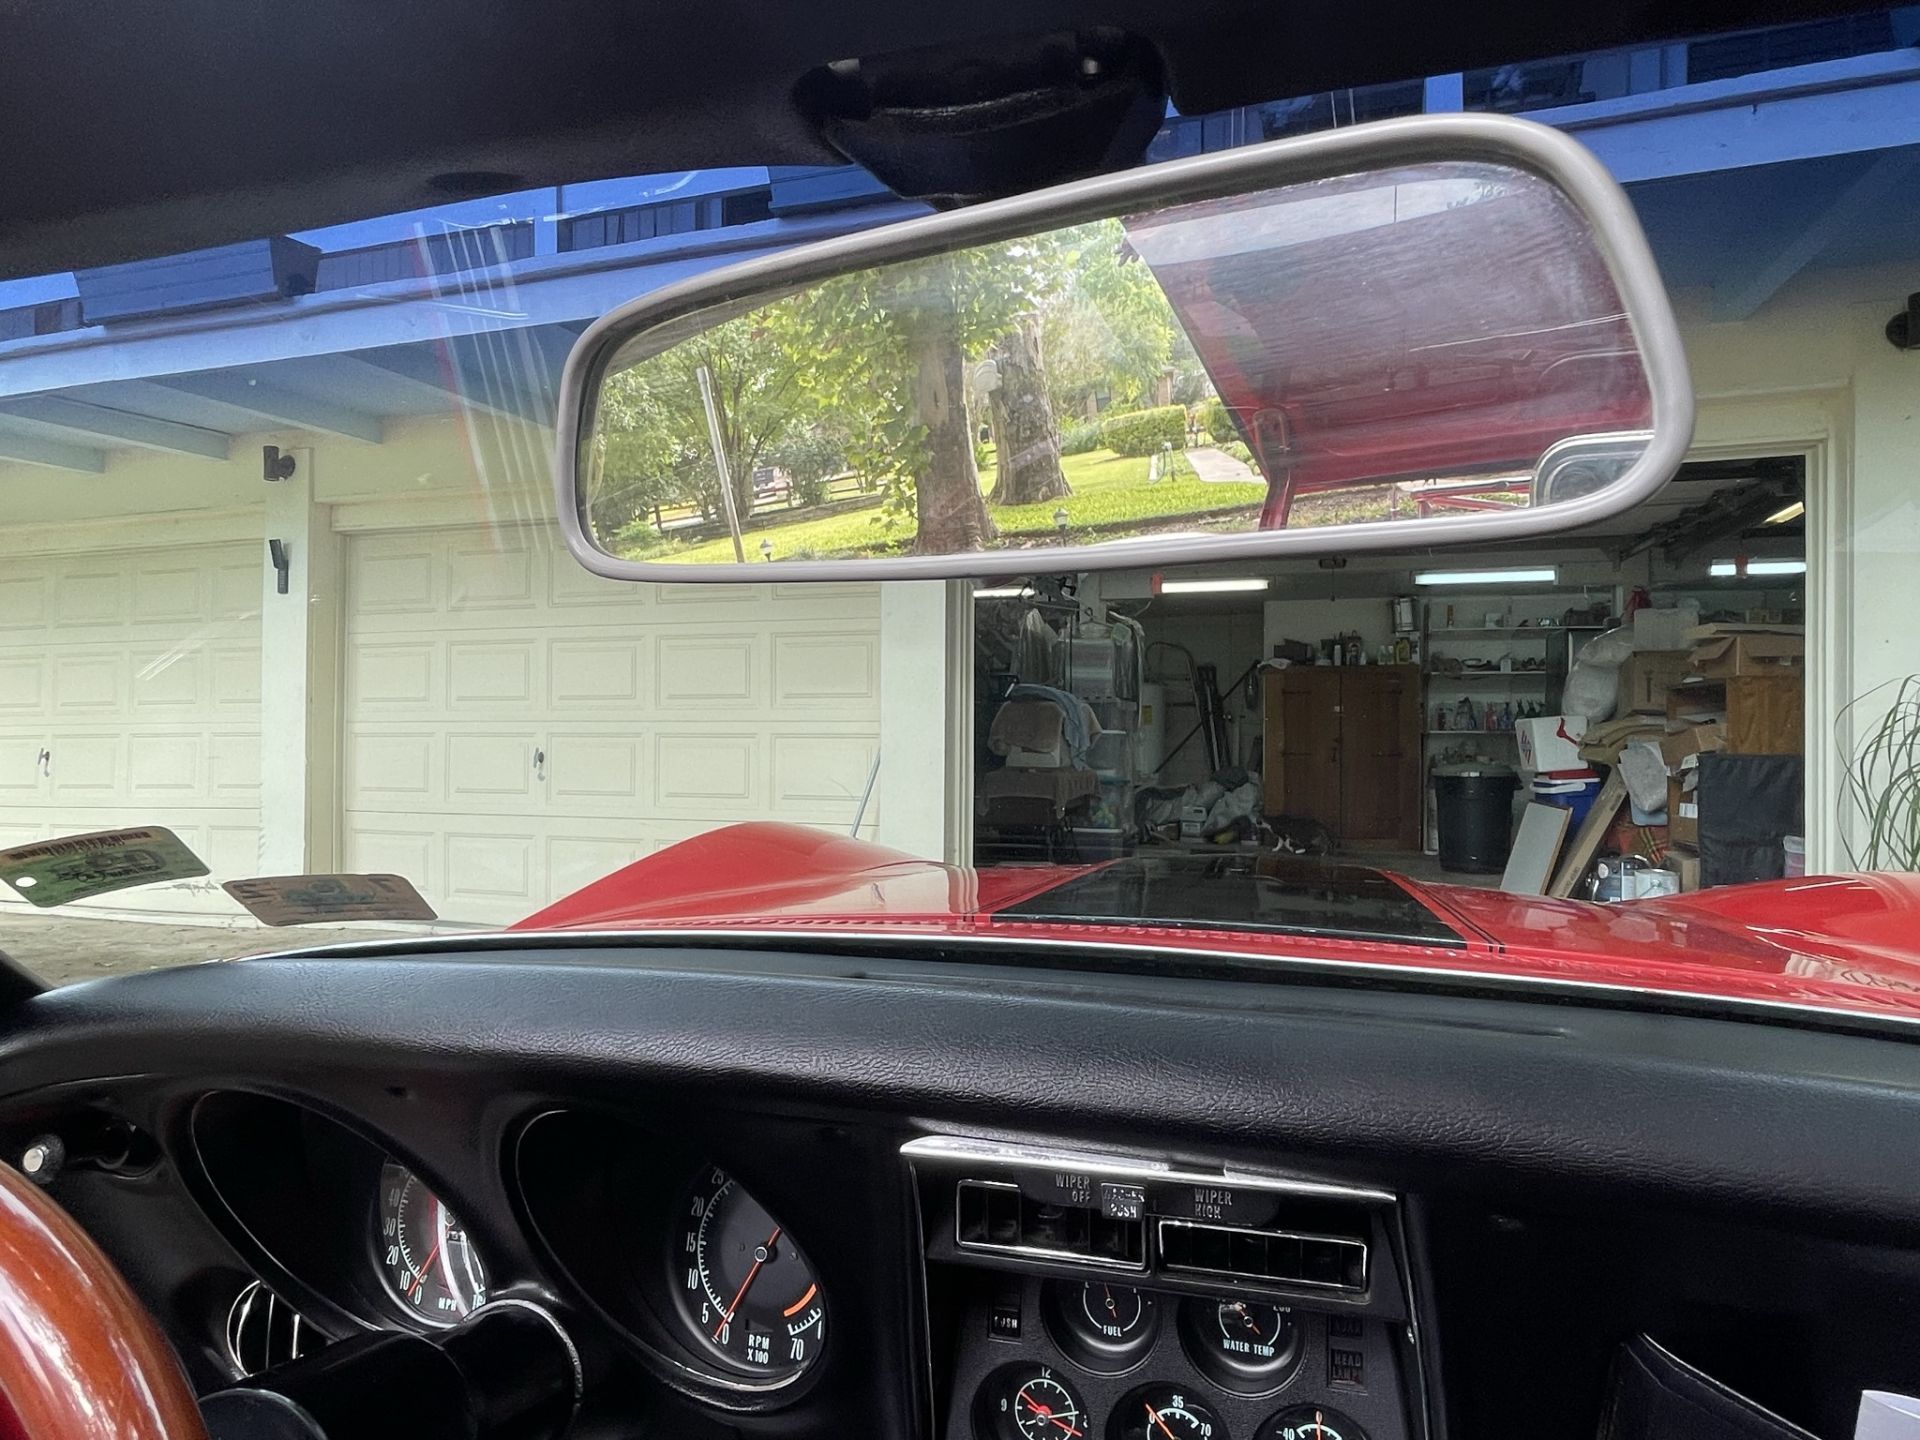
(64, 950)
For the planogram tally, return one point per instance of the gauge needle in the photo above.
(1045, 1412)
(421, 1273)
(741, 1293)
(1112, 1309)
(1154, 1415)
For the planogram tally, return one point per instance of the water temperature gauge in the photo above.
(1246, 1346)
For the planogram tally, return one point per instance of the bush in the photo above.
(1213, 418)
(1143, 432)
(1078, 439)
(810, 459)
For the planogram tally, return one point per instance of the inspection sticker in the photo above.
(316, 899)
(78, 867)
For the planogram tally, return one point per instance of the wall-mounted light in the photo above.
(1212, 587)
(1533, 575)
(1903, 330)
(1723, 569)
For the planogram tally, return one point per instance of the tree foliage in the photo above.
(655, 444)
(1111, 334)
(894, 344)
(877, 371)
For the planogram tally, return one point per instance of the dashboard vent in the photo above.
(991, 1215)
(1280, 1257)
(264, 1331)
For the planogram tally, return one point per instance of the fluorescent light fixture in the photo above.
(1541, 575)
(1003, 592)
(1791, 512)
(1725, 568)
(1211, 587)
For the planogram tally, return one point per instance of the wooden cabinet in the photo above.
(1342, 746)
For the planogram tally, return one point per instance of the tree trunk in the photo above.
(1029, 457)
(952, 518)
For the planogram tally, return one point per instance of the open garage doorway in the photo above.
(1404, 712)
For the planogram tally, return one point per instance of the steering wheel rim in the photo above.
(80, 1357)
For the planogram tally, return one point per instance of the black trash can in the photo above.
(1473, 807)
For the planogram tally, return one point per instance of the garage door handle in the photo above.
(539, 764)
(46, 762)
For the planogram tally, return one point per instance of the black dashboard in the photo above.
(769, 1192)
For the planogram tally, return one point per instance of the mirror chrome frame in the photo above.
(1519, 144)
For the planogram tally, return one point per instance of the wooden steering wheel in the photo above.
(80, 1358)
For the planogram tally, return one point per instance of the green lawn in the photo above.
(1107, 489)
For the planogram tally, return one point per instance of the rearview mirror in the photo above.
(1434, 331)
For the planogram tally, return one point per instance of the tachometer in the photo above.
(744, 1287)
(425, 1257)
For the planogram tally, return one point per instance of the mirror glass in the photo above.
(1427, 340)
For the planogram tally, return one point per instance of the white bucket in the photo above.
(1796, 847)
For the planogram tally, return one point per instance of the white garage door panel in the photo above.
(516, 728)
(138, 676)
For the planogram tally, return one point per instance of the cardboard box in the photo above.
(1766, 652)
(1647, 675)
(1693, 740)
(1685, 864)
(1551, 742)
(1683, 810)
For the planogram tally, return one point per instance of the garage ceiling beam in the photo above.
(422, 370)
(280, 408)
(77, 418)
(1738, 296)
(36, 450)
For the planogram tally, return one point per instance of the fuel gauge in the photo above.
(1105, 1326)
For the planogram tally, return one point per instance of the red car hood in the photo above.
(1837, 942)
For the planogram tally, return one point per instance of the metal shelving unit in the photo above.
(1559, 642)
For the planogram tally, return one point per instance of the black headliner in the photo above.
(132, 130)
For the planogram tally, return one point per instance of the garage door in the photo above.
(516, 727)
(130, 694)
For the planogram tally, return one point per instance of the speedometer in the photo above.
(425, 1257)
(743, 1285)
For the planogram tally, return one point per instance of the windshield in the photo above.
(284, 620)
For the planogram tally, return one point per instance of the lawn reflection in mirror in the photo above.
(1427, 340)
